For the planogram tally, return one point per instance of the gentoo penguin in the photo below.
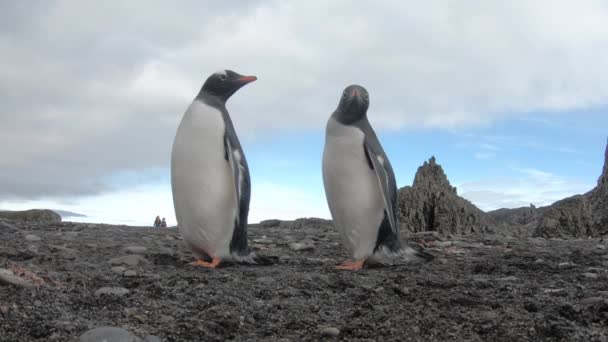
(210, 177)
(360, 186)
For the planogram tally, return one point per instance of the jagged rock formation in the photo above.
(580, 215)
(33, 215)
(432, 204)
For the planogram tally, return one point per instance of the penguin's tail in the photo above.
(415, 254)
(405, 254)
(252, 259)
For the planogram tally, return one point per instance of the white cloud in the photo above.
(533, 186)
(89, 90)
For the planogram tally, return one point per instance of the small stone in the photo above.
(266, 280)
(136, 250)
(556, 292)
(539, 261)
(130, 273)
(7, 277)
(564, 265)
(129, 260)
(166, 319)
(416, 330)
(590, 275)
(298, 247)
(402, 290)
(509, 278)
(263, 241)
(32, 237)
(595, 269)
(115, 291)
(330, 332)
(108, 334)
(591, 300)
(118, 269)
(600, 246)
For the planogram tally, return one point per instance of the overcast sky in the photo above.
(510, 95)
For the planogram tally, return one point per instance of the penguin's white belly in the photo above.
(203, 186)
(352, 189)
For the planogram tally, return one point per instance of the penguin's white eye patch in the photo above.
(222, 74)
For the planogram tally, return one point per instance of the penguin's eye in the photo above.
(222, 77)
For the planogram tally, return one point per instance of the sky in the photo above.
(510, 97)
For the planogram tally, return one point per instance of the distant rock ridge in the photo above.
(432, 204)
(32, 215)
(583, 215)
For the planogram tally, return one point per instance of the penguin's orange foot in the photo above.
(351, 265)
(213, 264)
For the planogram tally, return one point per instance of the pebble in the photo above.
(32, 237)
(116, 291)
(7, 277)
(591, 300)
(563, 265)
(130, 260)
(590, 275)
(330, 332)
(118, 269)
(136, 250)
(263, 241)
(297, 246)
(539, 261)
(130, 273)
(600, 247)
(108, 334)
(509, 278)
(266, 280)
(595, 269)
(416, 330)
(556, 292)
(166, 319)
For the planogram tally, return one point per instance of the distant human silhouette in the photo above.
(163, 223)
(157, 222)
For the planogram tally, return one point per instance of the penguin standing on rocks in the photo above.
(360, 186)
(210, 177)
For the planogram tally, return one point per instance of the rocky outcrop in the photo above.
(433, 204)
(33, 215)
(578, 216)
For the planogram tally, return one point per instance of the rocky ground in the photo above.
(60, 280)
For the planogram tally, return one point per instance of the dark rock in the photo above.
(297, 246)
(432, 204)
(129, 260)
(32, 238)
(33, 215)
(4, 225)
(136, 249)
(107, 334)
(270, 223)
(578, 216)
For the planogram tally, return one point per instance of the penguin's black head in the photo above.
(353, 104)
(225, 83)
